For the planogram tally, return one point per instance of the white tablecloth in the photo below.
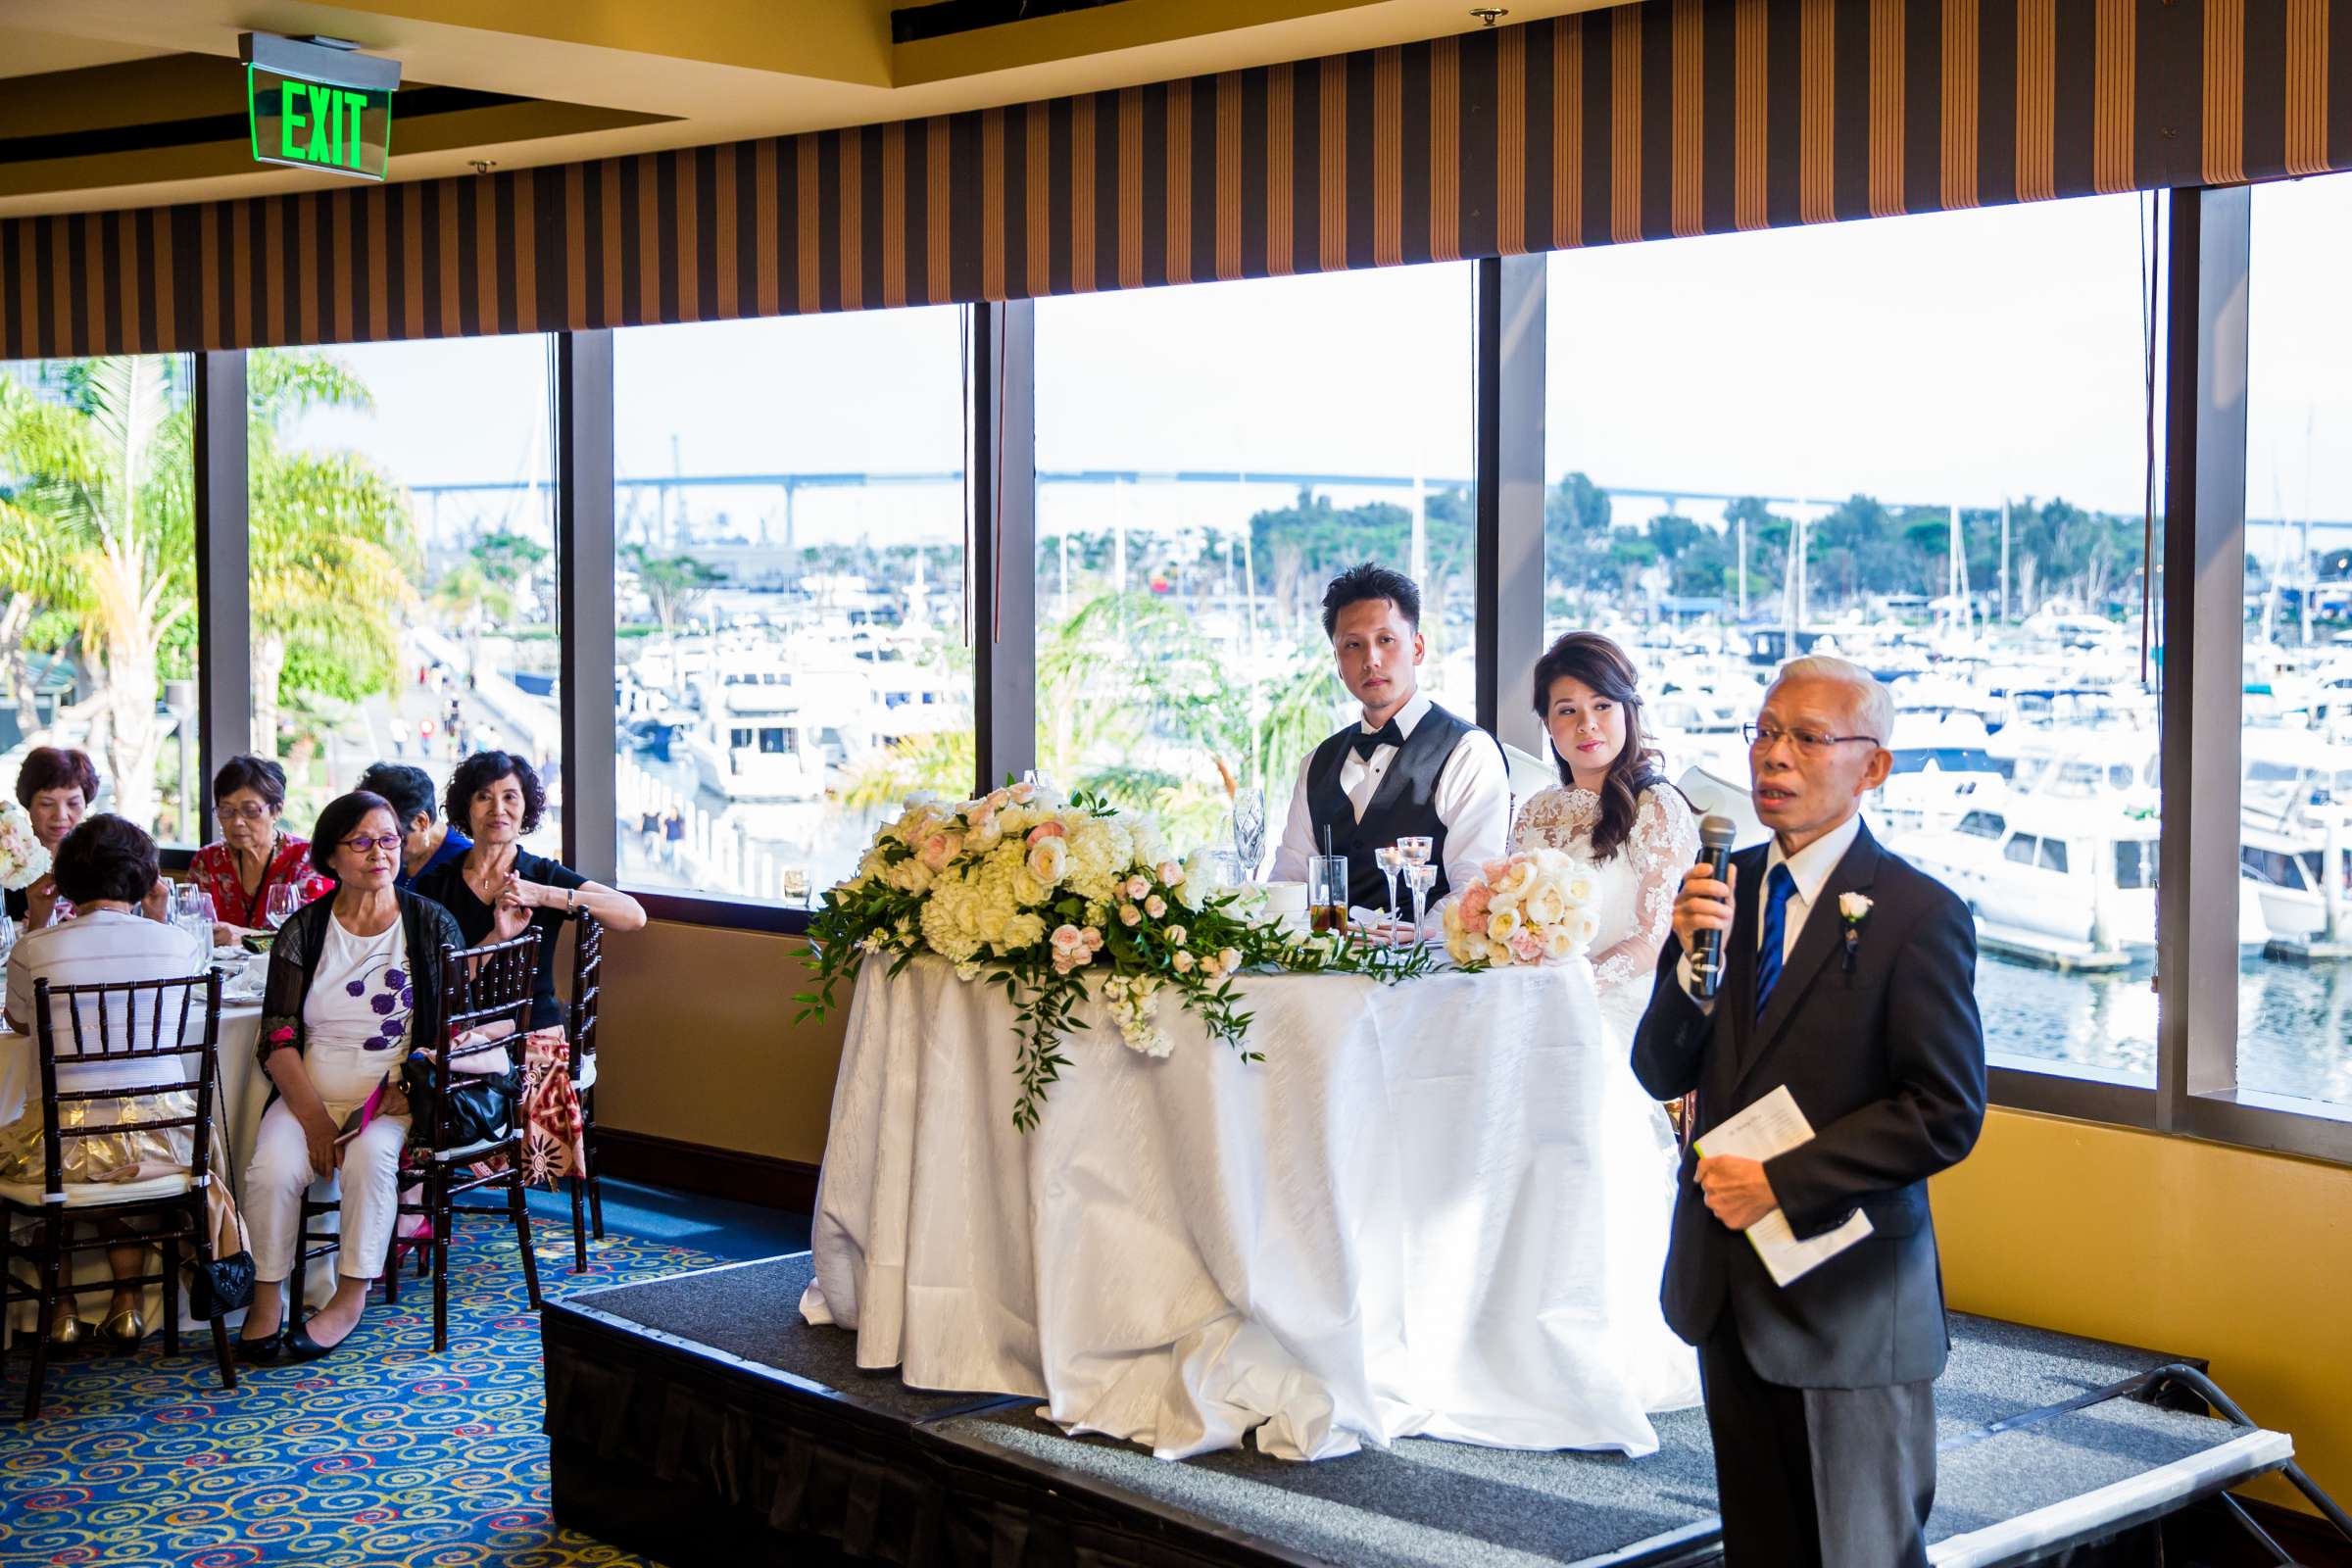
(1438, 1208)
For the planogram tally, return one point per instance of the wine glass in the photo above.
(1420, 877)
(1416, 847)
(1250, 827)
(1390, 857)
(194, 913)
(284, 899)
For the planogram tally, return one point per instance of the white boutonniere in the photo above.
(1855, 908)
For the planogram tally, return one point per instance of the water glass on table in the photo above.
(1326, 893)
(193, 912)
(284, 899)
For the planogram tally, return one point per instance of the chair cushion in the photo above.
(97, 1194)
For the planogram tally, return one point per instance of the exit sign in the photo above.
(315, 106)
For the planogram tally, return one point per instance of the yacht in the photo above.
(751, 739)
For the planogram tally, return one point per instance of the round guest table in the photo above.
(1436, 1208)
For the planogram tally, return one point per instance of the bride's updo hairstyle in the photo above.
(1590, 658)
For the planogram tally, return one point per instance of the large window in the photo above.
(403, 562)
(1919, 443)
(793, 658)
(2295, 1001)
(1207, 459)
(98, 580)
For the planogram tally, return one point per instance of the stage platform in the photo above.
(697, 1420)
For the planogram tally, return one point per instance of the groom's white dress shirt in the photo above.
(1473, 799)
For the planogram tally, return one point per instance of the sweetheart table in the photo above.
(1436, 1208)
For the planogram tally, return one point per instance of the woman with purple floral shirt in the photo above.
(354, 984)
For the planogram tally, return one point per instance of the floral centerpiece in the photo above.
(1022, 888)
(1531, 908)
(24, 858)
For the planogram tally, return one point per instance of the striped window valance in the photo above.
(1641, 122)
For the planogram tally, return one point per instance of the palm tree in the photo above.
(329, 551)
(103, 543)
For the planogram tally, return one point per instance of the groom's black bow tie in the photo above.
(1365, 741)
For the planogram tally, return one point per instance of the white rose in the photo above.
(1156, 906)
(1580, 888)
(1176, 936)
(1049, 860)
(1129, 915)
(1170, 873)
(1502, 925)
(1230, 960)
(1544, 905)
(1184, 964)
(1559, 943)
(1503, 903)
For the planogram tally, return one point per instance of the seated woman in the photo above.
(355, 984)
(105, 867)
(500, 888)
(55, 785)
(254, 855)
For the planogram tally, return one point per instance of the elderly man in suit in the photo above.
(1848, 976)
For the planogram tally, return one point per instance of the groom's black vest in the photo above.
(1404, 803)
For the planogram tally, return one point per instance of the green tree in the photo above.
(676, 584)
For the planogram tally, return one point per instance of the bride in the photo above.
(1612, 810)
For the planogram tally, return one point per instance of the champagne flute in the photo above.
(1390, 857)
(1420, 877)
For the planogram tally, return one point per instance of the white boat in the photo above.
(751, 739)
(1943, 769)
(2067, 882)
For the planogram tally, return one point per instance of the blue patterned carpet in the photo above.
(382, 1454)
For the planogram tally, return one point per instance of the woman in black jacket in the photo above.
(355, 984)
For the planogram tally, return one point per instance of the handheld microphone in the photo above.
(1715, 835)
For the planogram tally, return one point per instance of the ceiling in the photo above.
(593, 77)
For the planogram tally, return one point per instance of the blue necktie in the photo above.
(1777, 890)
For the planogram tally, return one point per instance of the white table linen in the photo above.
(1438, 1208)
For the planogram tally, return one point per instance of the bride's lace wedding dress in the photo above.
(1639, 1166)
(1636, 885)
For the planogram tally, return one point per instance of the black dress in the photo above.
(446, 888)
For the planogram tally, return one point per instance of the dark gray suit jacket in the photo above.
(1886, 1061)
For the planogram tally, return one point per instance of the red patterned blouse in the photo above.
(215, 869)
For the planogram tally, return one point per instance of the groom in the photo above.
(1848, 977)
(1408, 768)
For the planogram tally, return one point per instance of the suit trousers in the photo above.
(1817, 1478)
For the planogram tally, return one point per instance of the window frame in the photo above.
(2208, 261)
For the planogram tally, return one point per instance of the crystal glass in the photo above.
(284, 899)
(1390, 857)
(1326, 893)
(1420, 878)
(794, 885)
(1416, 847)
(1250, 827)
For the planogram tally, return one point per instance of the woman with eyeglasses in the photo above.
(253, 855)
(55, 784)
(353, 986)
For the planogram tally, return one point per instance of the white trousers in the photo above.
(281, 1173)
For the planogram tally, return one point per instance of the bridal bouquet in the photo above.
(24, 860)
(1532, 908)
(1022, 888)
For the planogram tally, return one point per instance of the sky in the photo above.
(1953, 358)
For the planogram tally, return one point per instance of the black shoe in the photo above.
(261, 1352)
(300, 1346)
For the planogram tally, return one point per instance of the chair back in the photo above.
(587, 964)
(144, 1028)
(480, 986)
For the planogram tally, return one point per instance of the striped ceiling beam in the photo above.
(1641, 122)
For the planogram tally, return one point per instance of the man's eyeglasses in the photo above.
(382, 840)
(1812, 743)
(252, 812)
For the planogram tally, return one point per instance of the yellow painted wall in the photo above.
(2198, 1249)
(2244, 1258)
(698, 1044)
